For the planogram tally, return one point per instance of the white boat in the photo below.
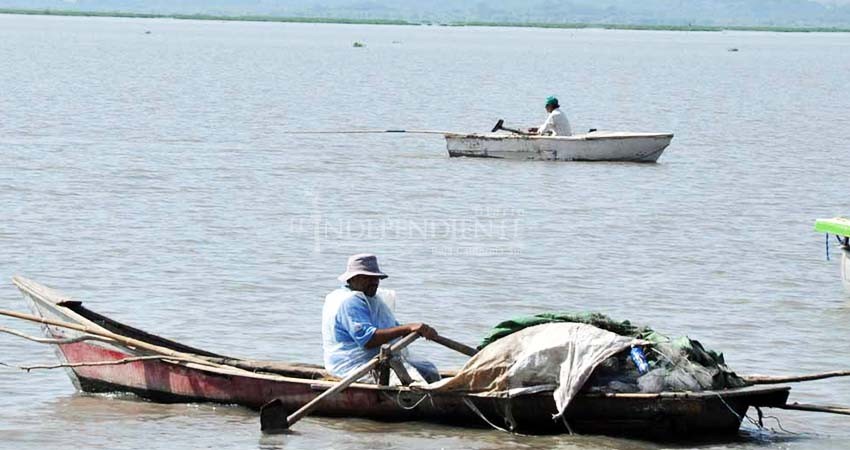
(840, 227)
(593, 146)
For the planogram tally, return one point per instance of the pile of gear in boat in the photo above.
(571, 353)
(672, 364)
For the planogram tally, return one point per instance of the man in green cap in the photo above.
(556, 124)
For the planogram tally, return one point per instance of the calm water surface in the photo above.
(149, 176)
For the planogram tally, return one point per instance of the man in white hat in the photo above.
(356, 322)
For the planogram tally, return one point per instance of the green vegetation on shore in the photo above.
(52, 12)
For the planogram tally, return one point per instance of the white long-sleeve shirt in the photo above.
(556, 124)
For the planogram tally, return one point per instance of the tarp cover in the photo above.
(599, 320)
(538, 358)
(679, 353)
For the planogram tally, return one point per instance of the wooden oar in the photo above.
(768, 379)
(273, 418)
(499, 126)
(116, 337)
(816, 408)
(456, 346)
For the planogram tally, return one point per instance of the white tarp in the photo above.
(538, 358)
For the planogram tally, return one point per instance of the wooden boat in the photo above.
(593, 146)
(840, 227)
(228, 380)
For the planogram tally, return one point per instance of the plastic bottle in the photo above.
(639, 359)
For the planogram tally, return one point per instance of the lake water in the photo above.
(148, 174)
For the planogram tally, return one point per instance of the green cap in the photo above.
(551, 101)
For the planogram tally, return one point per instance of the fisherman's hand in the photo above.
(424, 330)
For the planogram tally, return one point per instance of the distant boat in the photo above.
(840, 227)
(592, 146)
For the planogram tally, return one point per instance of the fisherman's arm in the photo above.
(547, 126)
(383, 335)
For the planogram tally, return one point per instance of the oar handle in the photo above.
(454, 345)
(267, 413)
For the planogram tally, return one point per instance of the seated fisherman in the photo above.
(356, 322)
(556, 123)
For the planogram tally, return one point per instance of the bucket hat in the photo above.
(362, 264)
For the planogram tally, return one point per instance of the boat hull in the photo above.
(660, 416)
(596, 146)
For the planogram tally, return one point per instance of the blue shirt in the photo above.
(349, 321)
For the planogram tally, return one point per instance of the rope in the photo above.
(757, 424)
(566, 424)
(509, 415)
(408, 408)
(761, 416)
(722, 400)
(827, 246)
(779, 424)
(398, 401)
(475, 409)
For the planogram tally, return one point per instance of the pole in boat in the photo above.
(273, 418)
(843, 410)
(769, 379)
(110, 335)
(368, 131)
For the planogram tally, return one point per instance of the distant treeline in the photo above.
(54, 12)
(610, 26)
(253, 18)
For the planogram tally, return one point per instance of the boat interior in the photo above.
(287, 369)
(294, 370)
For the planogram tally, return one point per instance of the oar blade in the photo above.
(498, 125)
(273, 417)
